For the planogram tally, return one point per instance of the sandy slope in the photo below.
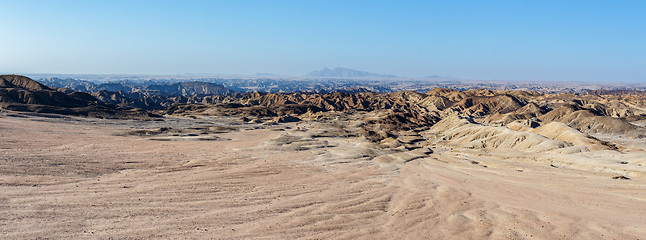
(79, 179)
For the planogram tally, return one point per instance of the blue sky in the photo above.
(497, 40)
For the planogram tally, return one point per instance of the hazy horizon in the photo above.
(495, 40)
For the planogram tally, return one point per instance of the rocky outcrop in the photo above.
(20, 93)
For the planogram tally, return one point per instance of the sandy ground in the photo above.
(67, 178)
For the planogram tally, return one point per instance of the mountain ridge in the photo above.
(345, 72)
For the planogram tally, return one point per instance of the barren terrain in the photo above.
(216, 177)
(211, 163)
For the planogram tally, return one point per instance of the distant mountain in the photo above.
(149, 87)
(148, 95)
(345, 72)
(435, 76)
(190, 88)
(113, 86)
(439, 76)
(69, 83)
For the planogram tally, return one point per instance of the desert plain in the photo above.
(75, 177)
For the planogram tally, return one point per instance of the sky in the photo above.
(594, 41)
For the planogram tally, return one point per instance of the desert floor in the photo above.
(86, 178)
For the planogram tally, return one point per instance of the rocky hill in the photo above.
(20, 93)
(489, 111)
(155, 88)
(148, 95)
(384, 114)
